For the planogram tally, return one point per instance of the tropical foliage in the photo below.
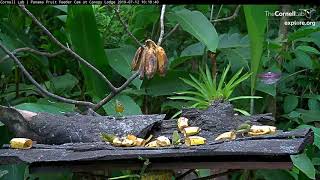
(246, 45)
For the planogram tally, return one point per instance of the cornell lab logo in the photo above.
(308, 13)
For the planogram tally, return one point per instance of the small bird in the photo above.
(119, 107)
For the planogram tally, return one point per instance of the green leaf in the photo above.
(308, 49)
(256, 24)
(234, 40)
(303, 32)
(309, 116)
(303, 59)
(195, 49)
(245, 97)
(87, 42)
(120, 60)
(242, 111)
(290, 103)
(130, 107)
(63, 84)
(304, 164)
(195, 23)
(161, 86)
(313, 104)
(46, 106)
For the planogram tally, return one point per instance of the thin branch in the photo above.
(56, 41)
(27, 49)
(233, 16)
(170, 32)
(117, 11)
(185, 174)
(118, 90)
(34, 82)
(163, 10)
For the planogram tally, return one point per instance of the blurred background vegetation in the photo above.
(250, 40)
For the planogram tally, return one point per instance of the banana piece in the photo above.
(20, 143)
(189, 131)
(195, 140)
(163, 141)
(116, 142)
(127, 143)
(137, 59)
(256, 128)
(231, 135)
(162, 61)
(182, 123)
(139, 142)
(152, 144)
(131, 137)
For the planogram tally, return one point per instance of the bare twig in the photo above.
(170, 32)
(117, 11)
(114, 93)
(43, 91)
(185, 174)
(75, 55)
(233, 16)
(27, 49)
(163, 10)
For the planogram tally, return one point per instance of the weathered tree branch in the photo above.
(114, 90)
(27, 49)
(163, 10)
(44, 91)
(71, 52)
(233, 16)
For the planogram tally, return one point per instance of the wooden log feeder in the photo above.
(72, 142)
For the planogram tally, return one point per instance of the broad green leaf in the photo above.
(130, 107)
(86, 41)
(309, 116)
(303, 59)
(44, 105)
(304, 164)
(314, 104)
(195, 23)
(63, 84)
(161, 86)
(303, 32)
(196, 49)
(237, 57)
(308, 49)
(290, 103)
(120, 60)
(234, 40)
(256, 24)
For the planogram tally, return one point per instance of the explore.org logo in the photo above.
(308, 13)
